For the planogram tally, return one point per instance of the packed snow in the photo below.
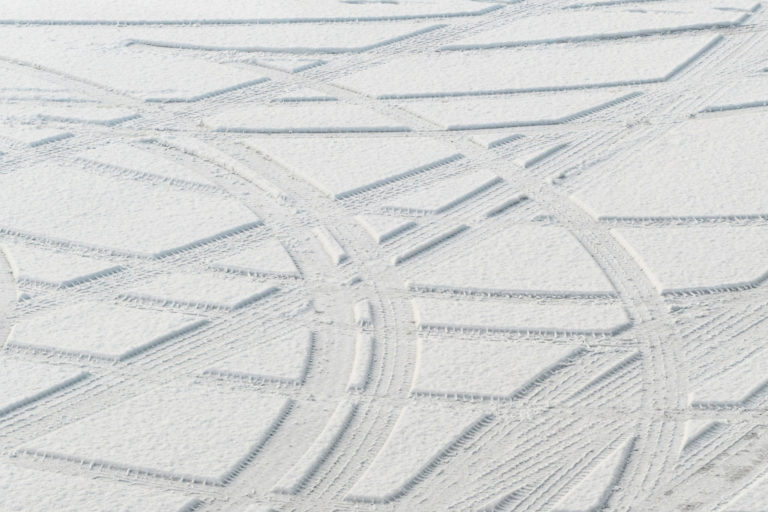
(383, 255)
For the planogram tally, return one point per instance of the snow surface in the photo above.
(533, 157)
(479, 112)
(417, 440)
(520, 259)
(85, 210)
(205, 11)
(563, 26)
(705, 167)
(752, 499)
(298, 475)
(383, 227)
(99, 329)
(278, 38)
(284, 359)
(444, 195)
(28, 88)
(361, 365)
(32, 490)
(699, 258)
(84, 113)
(450, 367)
(123, 68)
(204, 290)
(529, 275)
(340, 167)
(31, 135)
(23, 382)
(747, 93)
(596, 487)
(528, 69)
(735, 386)
(133, 158)
(696, 430)
(330, 245)
(293, 117)
(29, 263)
(524, 316)
(172, 432)
(268, 258)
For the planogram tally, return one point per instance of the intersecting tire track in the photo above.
(664, 378)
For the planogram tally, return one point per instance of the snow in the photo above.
(747, 93)
(361, 366)
(84, 211)
(143, 161)
(340, 167)
(291, 117)
(32, 490)
(330, 245)
(31, 135)
(201, 290)
(702, 168)
(699, 258)
(519, 259)
(751, 499)
(172, 432)
(490, 140)
(567, 26)
(445, 194)
(22, 382)
(99, 329)
(428, 244)
(28, 88)
(284, 359)
(735, 386)
(696, 430)
(498, 315)
(287, 64)
(594, 490)
(123, 68)
(285, 255)
(84, 113)
(29, 263)
(384, 227)
(307, 94)
(279, 38)
(528, 69)
(453, 367)
(268, 258)
(420, 437)
(363, 313)
(482, 112)
(302, 471)
(535, 156)
(238, 10)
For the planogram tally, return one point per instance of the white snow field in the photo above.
(384, 255)
(341, 167)
(312, 117)
(201, 290)
(29, 263)
(285, 359)
(99, 329)
(484, 369)
(493, 71)
(712, 166)
(522, 259)
(155, 433)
